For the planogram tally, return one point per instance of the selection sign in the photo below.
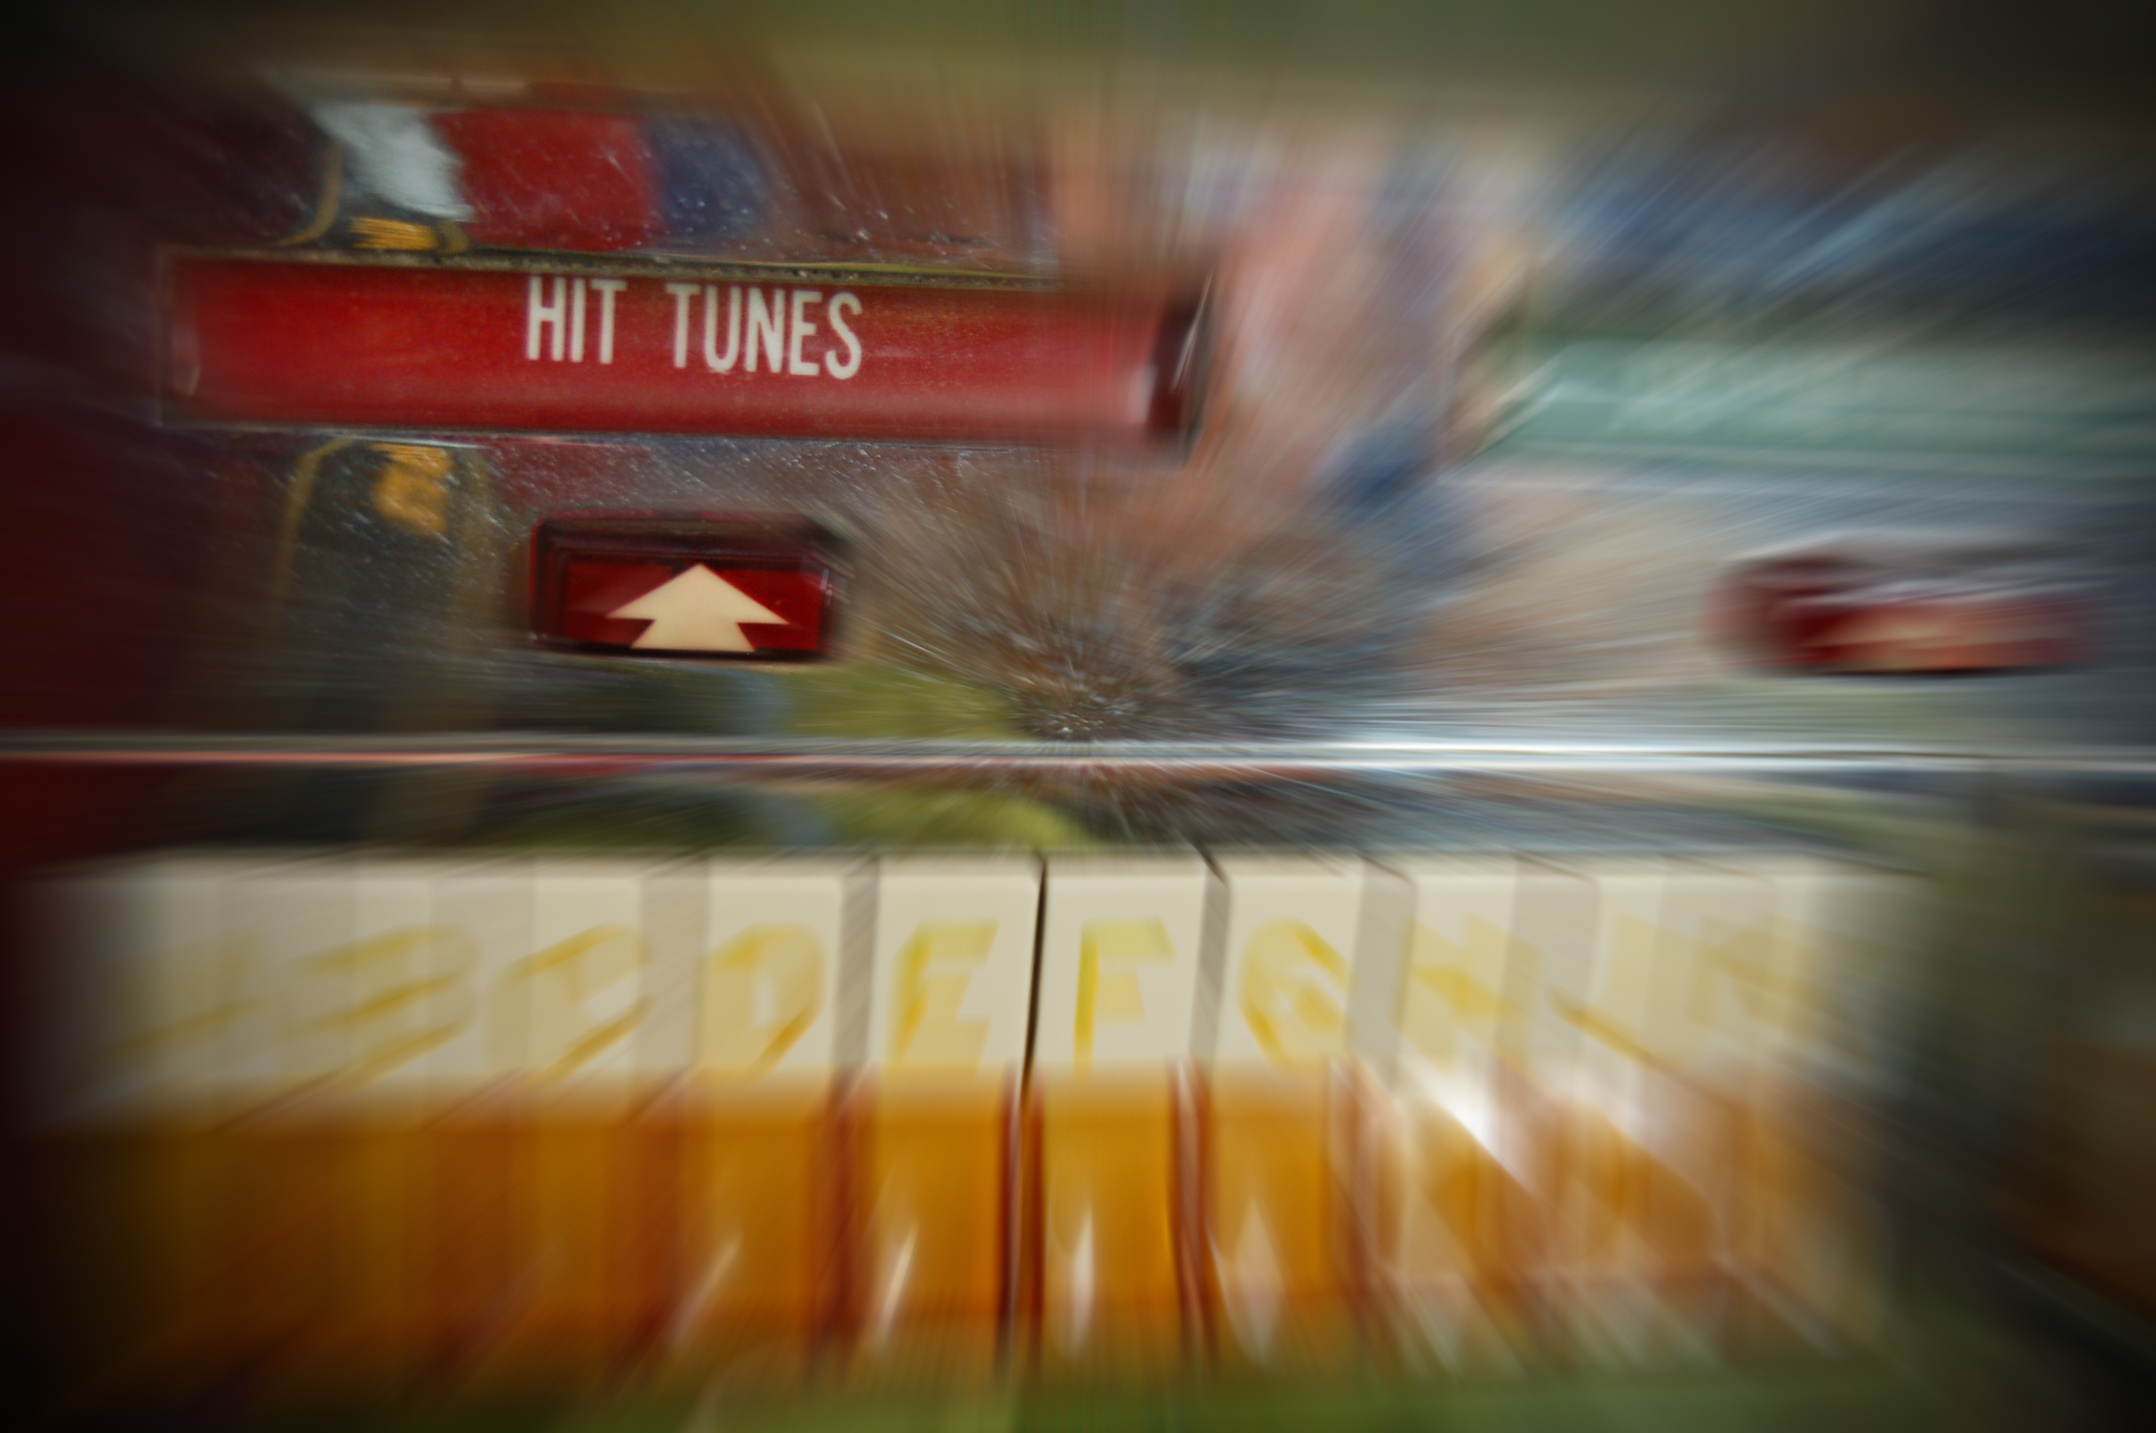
(726, 587)
(654, 349)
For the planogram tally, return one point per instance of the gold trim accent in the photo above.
(304, 474)
(394, 235)
(326, 207)
(413, 489)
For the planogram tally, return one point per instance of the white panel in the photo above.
(767, 970)
(298, 915)
(1120, 943)
(174, 991)
(1631, 896)
(1592, 1004)
(573, 1004)
(485, 908)
(1715, 979)
(953, 961)
(1288, 972)
(1836, 930)
(418, 991)
(1452, 1010)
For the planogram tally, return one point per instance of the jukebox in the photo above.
(747, 748)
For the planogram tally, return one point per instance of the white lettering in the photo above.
(798, 366)
(852, 365)
(767, 326)
(712, 360)
(606, 289)
(576, 321)
(682, 293)
(540, 314)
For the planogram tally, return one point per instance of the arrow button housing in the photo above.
(728, 587)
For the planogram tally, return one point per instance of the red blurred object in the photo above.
(555, 179)
(644, 349)
(1890, 610)
(727, 587)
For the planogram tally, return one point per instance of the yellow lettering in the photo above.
(407, 994)
(929, 1031)
(544, 1022)
(1292, 994)
(1625, 987)
(762, 990)
(1113, 995)
(1444, 996)
(218, 990)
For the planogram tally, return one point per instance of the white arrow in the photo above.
(697, 611)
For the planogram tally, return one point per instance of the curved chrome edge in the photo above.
(583, 752)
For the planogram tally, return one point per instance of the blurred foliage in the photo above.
(864, 700)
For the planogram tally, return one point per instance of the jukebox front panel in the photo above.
(766, 751)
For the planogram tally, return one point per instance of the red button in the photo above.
(724, 587)
(1907, 610)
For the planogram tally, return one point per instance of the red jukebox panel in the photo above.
(788, 353)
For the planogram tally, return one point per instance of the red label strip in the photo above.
(635, 350)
